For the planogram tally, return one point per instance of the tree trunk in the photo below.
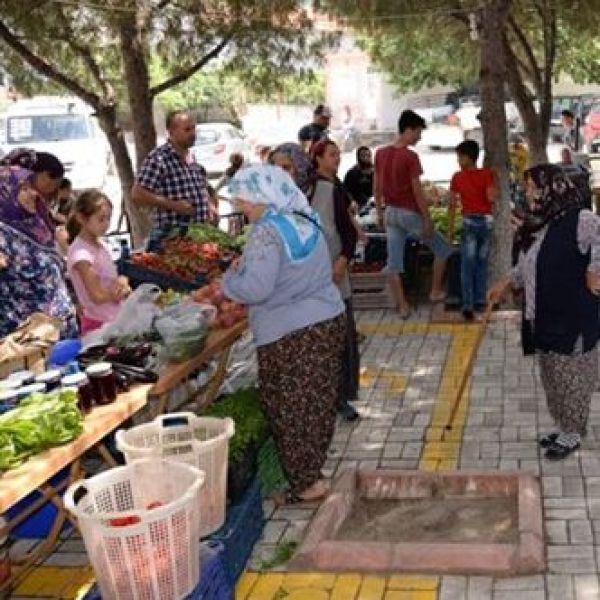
(495, 131)
(137, 81)
(536, 131)
(138, 218)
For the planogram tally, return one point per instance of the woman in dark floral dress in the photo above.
(31, 270)
(297, 320)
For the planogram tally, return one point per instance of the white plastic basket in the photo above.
(157, 556)
(199, 441)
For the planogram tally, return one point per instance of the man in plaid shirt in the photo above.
(171, 182)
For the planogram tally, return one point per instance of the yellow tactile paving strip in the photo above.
(64, 583)
(328, 586)
(440, 452)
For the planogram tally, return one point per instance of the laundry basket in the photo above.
(199, 441)
(141, 526)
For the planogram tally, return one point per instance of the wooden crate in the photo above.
(371, 291)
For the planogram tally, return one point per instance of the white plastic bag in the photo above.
(137, 313)
(135, 317)
(184, 318)
(184, 328)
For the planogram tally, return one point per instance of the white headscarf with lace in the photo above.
(288, 209)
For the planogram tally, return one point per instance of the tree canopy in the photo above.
(431, 42)
(101, 52)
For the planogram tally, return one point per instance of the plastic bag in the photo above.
(184, 328)
(242, 368)
(135, 317)
(184, 318)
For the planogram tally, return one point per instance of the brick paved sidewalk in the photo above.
(411, 371)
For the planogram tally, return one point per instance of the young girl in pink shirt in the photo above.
(99, 288)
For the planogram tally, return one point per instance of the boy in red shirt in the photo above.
(475, 189)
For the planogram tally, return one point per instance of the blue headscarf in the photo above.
(288, 209)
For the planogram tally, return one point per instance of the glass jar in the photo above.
(50, 378)
(80, 383)
(8, 400)
(104, 382)
(25, 377)
(33, 388)
(10, 384)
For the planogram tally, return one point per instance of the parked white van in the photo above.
(64, 127)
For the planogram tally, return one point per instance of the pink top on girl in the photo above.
(101, 262)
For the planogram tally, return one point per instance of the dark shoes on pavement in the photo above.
(348, 412)
(555, 450)
(548, 440)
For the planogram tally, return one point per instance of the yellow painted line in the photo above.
(441, 450)
(66, 583)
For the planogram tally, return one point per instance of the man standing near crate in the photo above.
(404, 211)
(172, 183)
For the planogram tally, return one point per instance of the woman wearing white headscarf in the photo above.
(296, 317)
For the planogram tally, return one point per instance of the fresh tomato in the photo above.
(124, 521)
(155, 504)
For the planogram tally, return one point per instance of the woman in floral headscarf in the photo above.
(558, 266)
(292, 159)
(297, 319)
(31, 271)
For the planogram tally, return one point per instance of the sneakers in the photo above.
(348, 412)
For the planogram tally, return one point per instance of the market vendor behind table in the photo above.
(171, 182)
(297, 319)
(31, 270)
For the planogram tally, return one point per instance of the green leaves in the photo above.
(251, 427)
(39, 422)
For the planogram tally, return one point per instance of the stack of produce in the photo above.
(41, 421)
(228, 312)
(370, 267)
(202, 253)
(439, 215)
(208, 234)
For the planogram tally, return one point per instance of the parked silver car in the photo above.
(215, 143)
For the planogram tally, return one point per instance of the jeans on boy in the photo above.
(474, 253)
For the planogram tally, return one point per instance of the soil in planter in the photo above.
(465, 520)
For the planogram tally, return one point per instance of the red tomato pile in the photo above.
(185, 259)
(373, 267)
(229, 312)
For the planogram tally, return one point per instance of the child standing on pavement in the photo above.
(475, 190)
(99, 288)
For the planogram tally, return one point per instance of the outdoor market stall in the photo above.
(34, 474)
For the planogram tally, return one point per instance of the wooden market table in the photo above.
(218, 343)
(34, 474)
